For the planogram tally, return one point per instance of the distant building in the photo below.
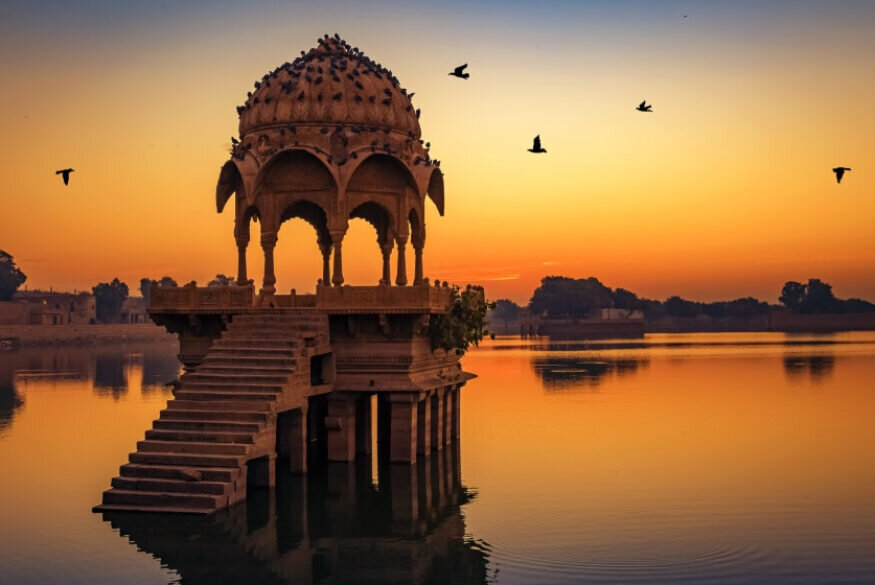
(134, 311)
(48, 308)
(604, 323)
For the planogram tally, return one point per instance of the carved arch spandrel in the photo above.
(291, 176)
(386, 181)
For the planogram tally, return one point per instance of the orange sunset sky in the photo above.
(726, 190)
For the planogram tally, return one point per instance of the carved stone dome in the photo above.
(331, 84)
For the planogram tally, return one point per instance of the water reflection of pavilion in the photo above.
(333, 526)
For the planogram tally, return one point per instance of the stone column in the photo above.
(242, 244)
(386, 249)
(326, 263)
(268, 242)
(261, 472)
(456, 427)
(340, 425)
(402, 447)
(298, 441)
(417, 264)
(292, 438)
(423, 440)
(449, 413)
(437, 419)
(401, 276)
(337, 241)
(363, 425)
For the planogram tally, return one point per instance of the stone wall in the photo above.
(30, 335)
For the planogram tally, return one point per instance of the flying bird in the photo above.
(644, 107)
(457, 72)
(839, 171)
(66, 174)
(536, 145)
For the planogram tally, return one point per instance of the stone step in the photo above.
(253, 356)
(153, 445)
(254, 341)
(148, 484)
(287, 319)
(245, 350)
(224, 404)
(198, 441)
(229, 395)
(155, 471)
(198, 385)
(213, 426)
(186, 459)
(217, 367)
(214, 416)
(252, 336)
(159, 499)
(228, 377)
(109, 509)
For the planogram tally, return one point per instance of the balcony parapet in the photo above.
(345, 299)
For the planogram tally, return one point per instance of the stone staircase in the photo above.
(223, 414)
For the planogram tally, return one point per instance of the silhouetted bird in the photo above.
(66, 174)
(644, 107)
(839, 171)
(457, 72)
(536, 145)
(234, 140)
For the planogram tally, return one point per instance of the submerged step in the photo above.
(123, 497)
(223, 404)
(187, 459)
(186, 442)
(148, 484)
(196, 414)
(213, 426)
(155, 471)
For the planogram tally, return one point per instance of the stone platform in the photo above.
(294, 383)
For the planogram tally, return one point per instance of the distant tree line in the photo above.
(817, 297)
(11, 277)
(561, 297)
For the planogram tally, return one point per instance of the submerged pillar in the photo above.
(363, 425)
(292, 438)
(402, 447)
(340, 427)
(423, 439)
(456, 425)
(438, 409)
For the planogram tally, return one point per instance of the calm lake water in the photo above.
(703, 458)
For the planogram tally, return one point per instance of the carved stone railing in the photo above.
(340, 299)
(204, 298)
(384, 298)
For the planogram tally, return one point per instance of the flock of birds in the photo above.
(536, 142)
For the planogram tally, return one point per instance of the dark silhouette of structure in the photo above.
(66, 174)
(536, 146)
(458, 72)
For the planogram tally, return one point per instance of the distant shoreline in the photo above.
(776, 321)
(13, 336)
